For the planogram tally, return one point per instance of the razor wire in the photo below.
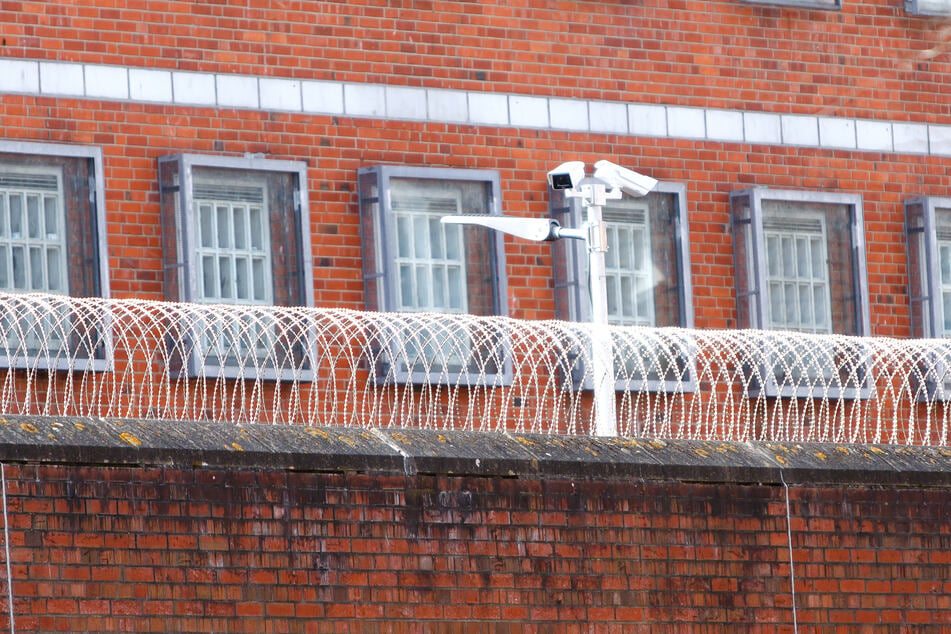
(139, 359)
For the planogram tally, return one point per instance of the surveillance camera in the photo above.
(567, 175)
(629, 181)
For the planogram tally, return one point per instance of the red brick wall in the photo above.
(861, 61)
(133, 136)
(169, 549)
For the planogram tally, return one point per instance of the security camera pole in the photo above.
(607, 184)
(594, 193)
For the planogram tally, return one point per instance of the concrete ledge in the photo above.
(39, 439)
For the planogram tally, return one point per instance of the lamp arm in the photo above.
(534, 229)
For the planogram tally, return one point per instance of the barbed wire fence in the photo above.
(63, 356)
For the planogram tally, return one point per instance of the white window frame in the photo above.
(795, 235)
(53, 357)
(232, 252)
(755, 301)
(432, 263)
(394, 365)
(188, 251)
(8, 241)
(460, 349)
(616, 274)
(571, 213)
(928, 7)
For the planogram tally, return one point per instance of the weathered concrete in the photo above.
(41, 439)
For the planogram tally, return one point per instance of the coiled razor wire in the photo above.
(63, 356)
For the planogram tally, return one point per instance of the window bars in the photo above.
(312, 366)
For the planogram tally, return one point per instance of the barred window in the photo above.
(32, 236)
(233, 264)
(647, 283)
(928, 226)
(52, 240)
(928, 236)
(430, 255)
(797, 275)
(414, 263)
(236, 232)
(800, 266)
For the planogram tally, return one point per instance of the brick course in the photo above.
(110, 548)
(133, 136)
(863, 60)
(178, 549)
(462, 531)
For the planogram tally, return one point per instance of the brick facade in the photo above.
(322, 531)
(747, 95)
(864, 61)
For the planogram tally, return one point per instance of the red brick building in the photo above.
(846, 105)
(301, 153)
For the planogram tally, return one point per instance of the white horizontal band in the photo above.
(380, 101)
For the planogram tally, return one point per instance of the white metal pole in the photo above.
(602, 349)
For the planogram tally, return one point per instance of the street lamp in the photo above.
(609, 182)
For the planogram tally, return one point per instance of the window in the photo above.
(797, 275)
(648, 283)
(928, 7)
(928, 228)
(236, 232)
(52, 240)
(928, 225)
(414, 263)
(814, 4)
(800, 266)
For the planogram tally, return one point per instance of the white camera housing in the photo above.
(567, 175)
(629, 181)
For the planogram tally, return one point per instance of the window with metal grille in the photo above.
(944, 278)
(429, 255)
(800, 265)
(928, 229)
(647, 277)
(236, 232)
(32, 237)
(796, 273)
(928, 236)
(52, 240)
(32, 249)
(414, 263)
(234, 265)
(629, 267)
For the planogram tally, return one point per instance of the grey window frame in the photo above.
(386, 279)
(924, 259)
(932, 312)
(97, 196)
(579, 308)
(802, 216)
(914, 7)
(756, 297)
(834, 5)
(182, 275)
